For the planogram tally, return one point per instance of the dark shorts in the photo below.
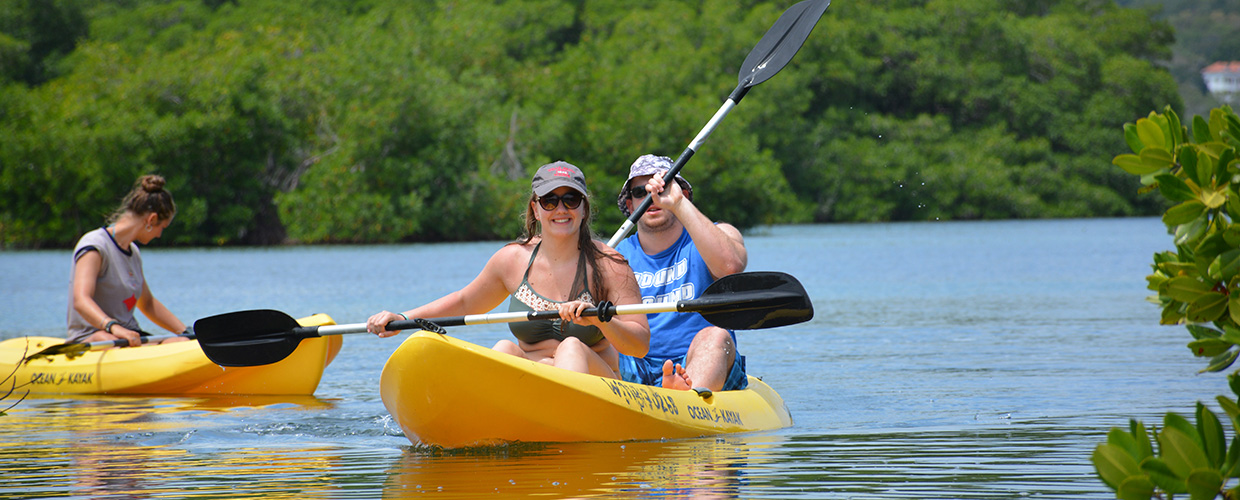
(649, 371)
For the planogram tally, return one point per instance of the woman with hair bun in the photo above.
(107, 270)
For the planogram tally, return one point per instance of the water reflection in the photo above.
(128, 447)
(1036, 458)
(706, 468)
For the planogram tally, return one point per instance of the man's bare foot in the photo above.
(674, 377)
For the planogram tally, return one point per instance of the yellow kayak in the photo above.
(451, 393)
(173, 369)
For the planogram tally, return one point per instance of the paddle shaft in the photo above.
(771, 54)
(742, 301)
(104, 344)
(681, 160)
(706, 304)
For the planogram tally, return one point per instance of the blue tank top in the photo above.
(675, 274)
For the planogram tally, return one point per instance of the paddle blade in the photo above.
(752, 301)
(781, 42)
(247, 338)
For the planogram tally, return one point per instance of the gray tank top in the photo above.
(118, 286)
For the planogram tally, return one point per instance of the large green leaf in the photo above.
(1150, 134)
(1203, 332)
(1133, 164)
(1172, 314)
(1175, 189)
(1208, 307)
(1221, 362)
(1176, 268)
(1181, 452)
(1233, 307)
(1157, 157)
(1172, 420)
(1213, 439)
(1230, 334)
(1205, 166)
(1201, 130)
(1209, 348)
(1162, 475)
(1214, 197)
(1130, 136)
(1218, 123)
(1188, 163)
(1204, 484)
(1222, 166)
(1229, 405)
(1175, 127)
(1135, 488)
(1233, 452)
(1184, 213)
(1229, 264)
(1145, 446)
(1114, 464)
(1186, 288)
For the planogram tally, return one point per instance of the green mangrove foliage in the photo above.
(1198, 285)
(386, 120)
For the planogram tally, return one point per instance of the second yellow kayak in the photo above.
(171, 369)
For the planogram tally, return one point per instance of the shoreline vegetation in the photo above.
(340, 121)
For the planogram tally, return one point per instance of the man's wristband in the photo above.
(107, 327)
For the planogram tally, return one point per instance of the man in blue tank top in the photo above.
(676, 253)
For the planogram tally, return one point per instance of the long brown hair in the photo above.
(147, 196)
(585, 243)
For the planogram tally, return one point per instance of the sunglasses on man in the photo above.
(571, 200)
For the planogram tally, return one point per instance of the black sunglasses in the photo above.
(637, 192)
(571, 200)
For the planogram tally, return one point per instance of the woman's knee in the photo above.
(572, 345)
(508, 347)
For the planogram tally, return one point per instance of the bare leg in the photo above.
(710, 358)
(508, 347)
(573, 354)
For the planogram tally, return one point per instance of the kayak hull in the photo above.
(447, 392)
(171, 369)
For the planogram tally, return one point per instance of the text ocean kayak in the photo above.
(172, 369)
(447, 392)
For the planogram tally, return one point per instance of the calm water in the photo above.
(946, 360)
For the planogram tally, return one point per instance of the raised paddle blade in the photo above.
(752, 301)
(248, 338)
(781, 42)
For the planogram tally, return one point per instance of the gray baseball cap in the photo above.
(649, 165)
(558, 174)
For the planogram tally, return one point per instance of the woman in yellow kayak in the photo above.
(560, 267)
(107, 270)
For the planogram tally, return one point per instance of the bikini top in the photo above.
(526, 299)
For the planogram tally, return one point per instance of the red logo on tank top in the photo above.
(130, 302)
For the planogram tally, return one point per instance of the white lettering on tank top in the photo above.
(684, 292)
(663, 276)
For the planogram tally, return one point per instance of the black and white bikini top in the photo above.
(526, 299)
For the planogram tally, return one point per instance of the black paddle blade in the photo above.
(781, 42)
(247, 338)
(752, 301)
